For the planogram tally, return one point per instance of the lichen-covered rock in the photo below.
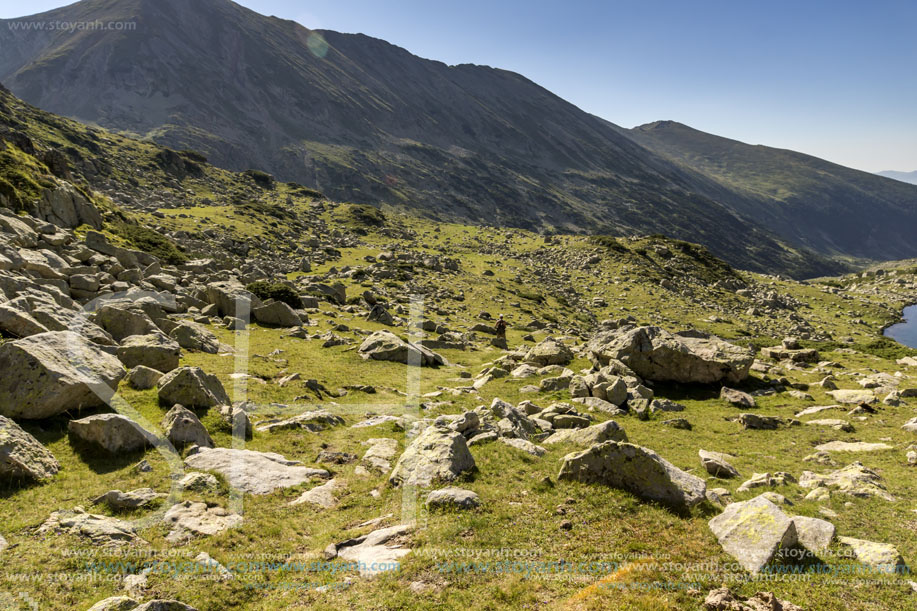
(549, 351)
(881, 556)
(590, 435)
(50, 373)
(437, 454)
(814, 534)
(655, 354)
(189, 518)
(101, 530)
(154, 350)
(853, 480)
(754, 532)
(635, 469)
(192, 387)
(22, 456)
(453, 497)
(253, 472)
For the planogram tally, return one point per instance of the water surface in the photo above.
(905, 332)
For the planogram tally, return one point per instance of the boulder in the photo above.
(16, 323)
(115, 603)
(635, 469)
(123, 320)
(191, 336)
(737, 397)
(253, 472)
(313, 421)
(236, 419)
(182, 428)
(113, 433)
(198, 482)
(155, 351)
(323, 496)
(437, 454)
(524, 445)
(51, 373)
(910, 426)
(655, 354)
(766, 480)
(191, 387)
(22, 456)
(591, 435)
(755, 422)
(142, 377)
(448, 498)
(380, 454)
(853, 396)
(386, 346)
(814, 534)
(277, 314)
(717, 464)
(754, 532)
(231, 298)
(377, 552)
(549, 351)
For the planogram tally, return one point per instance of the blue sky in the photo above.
(833, 78)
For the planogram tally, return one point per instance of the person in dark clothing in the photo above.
(500, 327)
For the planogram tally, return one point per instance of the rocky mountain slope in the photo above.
(313, 409)
(362, 120)
(809, 201)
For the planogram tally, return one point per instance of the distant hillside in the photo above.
(909, 177)
(365, 121)
(826, 207)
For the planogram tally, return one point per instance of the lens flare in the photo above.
(317, 45)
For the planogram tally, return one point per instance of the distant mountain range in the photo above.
(909, 177)
(366, 121)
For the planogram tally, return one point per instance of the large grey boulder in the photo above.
(143, 378)
(277, 314)
(191, 387)
(50, 373)
(881, 556)
(754, 532)
(231, 298)
(458, 498)
(635, 469)
(437, 454)
(182, 427)
(386, 346)
(814, 534)
(113, 433)
(22, 456)
(122, 320)
(655, 354)
(191, 336)
(549, 351)
(65, 206)
(253, 472)
(154, 350)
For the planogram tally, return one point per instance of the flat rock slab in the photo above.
(313, 421)
(834, 423)
(117, 500)
(378, 551)
(22, 456)
(854, 480)
(188, 519)
(853, 396)
(754, 532)
(635, 469)
(101, 530)
(524, 445)
(253, 472)
(323, 496)
(880, 556)
(852, 446)
(816, 409)
(380, 454)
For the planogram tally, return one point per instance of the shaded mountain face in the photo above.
(365, 121)
(811, 202)
(908, 177)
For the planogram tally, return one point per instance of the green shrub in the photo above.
(262, 179)
(275, 290)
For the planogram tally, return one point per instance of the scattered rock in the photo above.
(100, 530)
(881, 556)
(767, 480)
(722, 599)
(523, 444)
(754, 532)
(591, 435)
(323, 496)
(182, 428)
(458, 498)
(717, 464)
(378, 551)
(113, 433)
(813, 534)
(189, 518)
(386, 346)
(636, 469)
(198, 482)
(143, 378)
(853, 480)
(437, 454)
(191, 387)
(852, 446)
(135, 499)
(737, 397)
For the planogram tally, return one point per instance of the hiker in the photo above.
(500, 328)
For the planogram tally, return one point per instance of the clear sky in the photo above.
(833, 78)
